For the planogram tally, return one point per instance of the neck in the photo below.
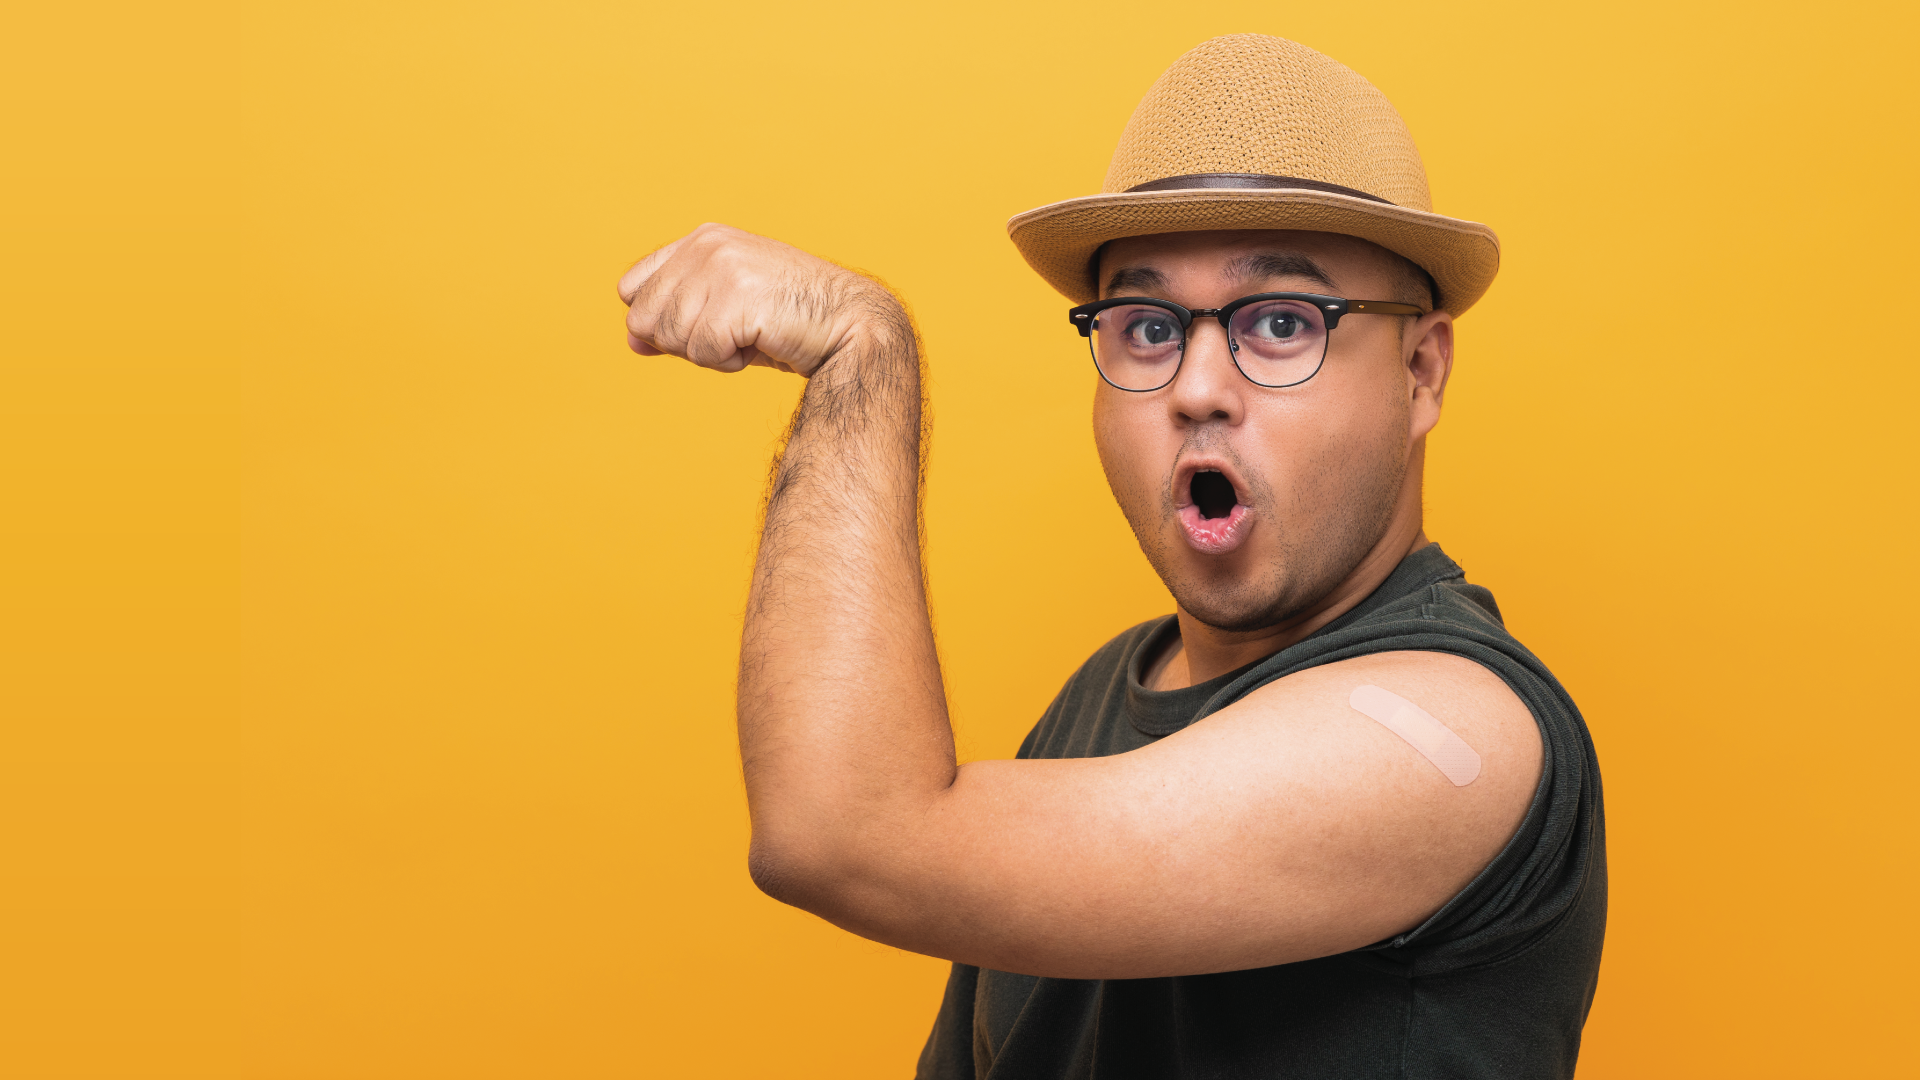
(1204, 652)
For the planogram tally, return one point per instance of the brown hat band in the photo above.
(1249, 180)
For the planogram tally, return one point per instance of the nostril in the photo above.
(1213, 494)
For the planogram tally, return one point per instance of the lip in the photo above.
(1211, 536)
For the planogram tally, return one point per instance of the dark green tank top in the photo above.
(1496, 984)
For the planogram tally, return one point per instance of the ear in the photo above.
(1428, 354)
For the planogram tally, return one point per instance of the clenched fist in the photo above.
(726, 299)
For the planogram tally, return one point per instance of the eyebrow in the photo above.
(1273, 264)
(1136, 280)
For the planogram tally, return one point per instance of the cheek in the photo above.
(1128, 441)
(1316, 449)
(1367, 404)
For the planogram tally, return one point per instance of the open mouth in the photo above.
(1212, 514)
(1212, 492)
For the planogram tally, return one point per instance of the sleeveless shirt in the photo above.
(1497, 983)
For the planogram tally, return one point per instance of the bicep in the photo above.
(1287, 826)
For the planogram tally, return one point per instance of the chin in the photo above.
(1234, 614)
(1238, 595)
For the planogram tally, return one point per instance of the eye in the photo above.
(1278, 329)
(1278, 325)
(1148, 330)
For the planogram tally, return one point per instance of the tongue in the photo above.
(1213, 494)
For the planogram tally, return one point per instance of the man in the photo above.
(1328, 819)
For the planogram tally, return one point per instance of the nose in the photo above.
(1209, 389)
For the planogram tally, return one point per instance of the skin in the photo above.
(1285, 827)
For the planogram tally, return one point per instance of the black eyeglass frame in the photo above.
(1334, 307)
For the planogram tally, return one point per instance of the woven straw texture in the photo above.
(1250, 103)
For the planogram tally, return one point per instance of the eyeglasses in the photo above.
(1276, 339)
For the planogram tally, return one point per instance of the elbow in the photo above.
(851, 885)
(793, 873)
(772, 870)
(840, 883)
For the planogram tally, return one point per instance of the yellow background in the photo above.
(370, 613)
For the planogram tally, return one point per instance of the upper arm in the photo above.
(1285, 827)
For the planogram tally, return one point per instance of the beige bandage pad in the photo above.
(1435, 740)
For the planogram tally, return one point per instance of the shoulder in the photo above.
(1471, 702)
(1470, 699)
(1394, 776)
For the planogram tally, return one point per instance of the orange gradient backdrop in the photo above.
(371, 612)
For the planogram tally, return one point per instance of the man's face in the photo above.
(1316, 470)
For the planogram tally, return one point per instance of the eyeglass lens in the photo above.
(1274, 343)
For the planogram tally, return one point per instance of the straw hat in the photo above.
(1255, 132)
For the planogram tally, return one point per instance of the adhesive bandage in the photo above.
(1435, 740)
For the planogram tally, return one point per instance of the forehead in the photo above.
(1325, 259)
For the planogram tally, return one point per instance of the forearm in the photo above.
(842, 715)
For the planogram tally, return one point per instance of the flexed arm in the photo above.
(842, 715)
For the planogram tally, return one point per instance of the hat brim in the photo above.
(1059, 240)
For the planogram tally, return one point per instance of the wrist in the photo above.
(876, 333)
